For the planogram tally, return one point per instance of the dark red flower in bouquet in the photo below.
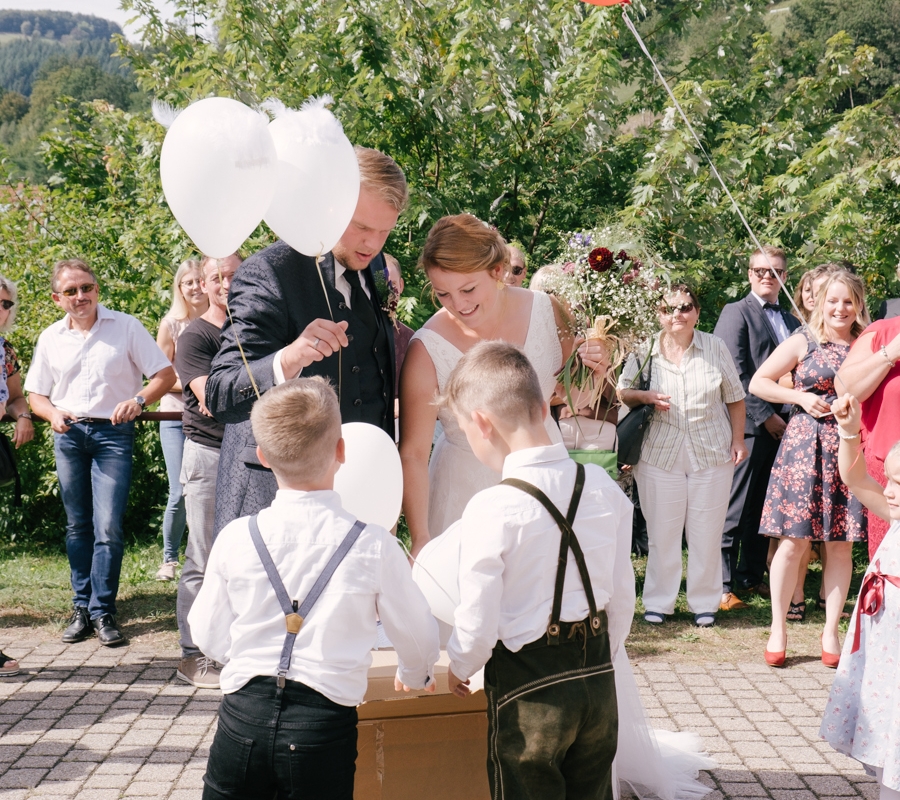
(622, 256)
(636, 266)
(600, 259)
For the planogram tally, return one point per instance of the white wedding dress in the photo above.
(455, 476)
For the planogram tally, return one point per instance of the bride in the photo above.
(465, 261)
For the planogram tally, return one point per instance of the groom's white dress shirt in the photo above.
(237, 620)
(509, 547)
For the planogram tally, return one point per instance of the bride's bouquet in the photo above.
(609, 283)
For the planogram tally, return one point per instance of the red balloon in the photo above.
(608, 2)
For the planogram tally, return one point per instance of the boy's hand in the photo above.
(847, 412)
(458, 687)
(399, 686)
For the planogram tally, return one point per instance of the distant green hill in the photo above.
(29, 38)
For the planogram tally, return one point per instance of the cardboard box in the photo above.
(418, 745)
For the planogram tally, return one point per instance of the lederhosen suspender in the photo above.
(294, 615)
(568, 541)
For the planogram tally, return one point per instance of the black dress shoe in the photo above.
(79, 626)
(107, 632)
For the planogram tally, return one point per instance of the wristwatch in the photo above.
(26, 414)
(140, 400)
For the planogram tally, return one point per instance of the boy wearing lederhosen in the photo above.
(289, 604)
(546, 588)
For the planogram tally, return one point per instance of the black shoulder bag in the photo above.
(633, 428)
(9, 472)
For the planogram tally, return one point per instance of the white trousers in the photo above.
(695, 501)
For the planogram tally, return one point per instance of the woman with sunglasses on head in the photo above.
(189, 301)
(694, 441)
(806, 500)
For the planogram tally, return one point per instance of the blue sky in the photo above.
(108, 9)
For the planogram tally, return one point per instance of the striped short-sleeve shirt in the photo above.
(698, 389)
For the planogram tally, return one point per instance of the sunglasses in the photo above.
(85, 288)
(518, 271)
(684, 308)
(765, 272)
(7, 304)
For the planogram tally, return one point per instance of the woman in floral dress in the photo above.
(806, 500)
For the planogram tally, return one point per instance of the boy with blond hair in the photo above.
(545, 623)
(295, 669)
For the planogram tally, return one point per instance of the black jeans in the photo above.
(552, 718)
(286, 743)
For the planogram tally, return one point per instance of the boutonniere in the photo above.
(388, 296)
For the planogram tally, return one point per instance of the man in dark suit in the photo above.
(291, 317)
(752, 328)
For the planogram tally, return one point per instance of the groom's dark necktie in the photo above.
(360, 303)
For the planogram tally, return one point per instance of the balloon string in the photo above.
(412, 558)
(236, 337)
(803, 324)
(319, 258)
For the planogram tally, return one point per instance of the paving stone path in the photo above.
(83, 722)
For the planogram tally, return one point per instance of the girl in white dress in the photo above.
(465, 260)
(862, 717)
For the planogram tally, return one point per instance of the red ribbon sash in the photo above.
(871, 597)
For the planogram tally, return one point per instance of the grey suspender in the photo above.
(294, 616)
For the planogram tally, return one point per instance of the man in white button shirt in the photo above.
(752, 328)
(289, 711)
(86, 379)
(292, 316)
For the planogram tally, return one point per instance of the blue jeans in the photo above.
(292, 743)
(93, 464)
(171, 437)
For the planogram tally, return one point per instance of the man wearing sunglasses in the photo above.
(86, 380)
(752, 328)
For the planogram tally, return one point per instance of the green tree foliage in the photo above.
(13, 106)
(539, 117)
(868, 22)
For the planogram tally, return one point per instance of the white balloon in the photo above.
(370, 482)
(317, 182)
(436, 573)
(218, 166)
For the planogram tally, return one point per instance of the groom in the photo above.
(288, 323)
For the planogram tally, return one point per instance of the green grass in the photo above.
(35, 591)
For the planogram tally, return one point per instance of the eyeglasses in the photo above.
(7, 304)
(85, 288)
(766, 272)
(684, 308)
(190, 283)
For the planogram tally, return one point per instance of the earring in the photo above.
(500, 284)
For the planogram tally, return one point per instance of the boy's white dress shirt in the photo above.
(508, 556)
(90, 375)
(237, 620)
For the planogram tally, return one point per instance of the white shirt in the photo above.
(237, 620)
(508, 554)
(343, 286)
(90, 375)
(774, 317)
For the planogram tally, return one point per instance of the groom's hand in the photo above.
(320, 339)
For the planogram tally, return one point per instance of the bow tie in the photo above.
(771, 306)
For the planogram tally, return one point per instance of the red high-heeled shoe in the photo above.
(775, 659)
(830, 660)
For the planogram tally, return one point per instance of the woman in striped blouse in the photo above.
(695, 439)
